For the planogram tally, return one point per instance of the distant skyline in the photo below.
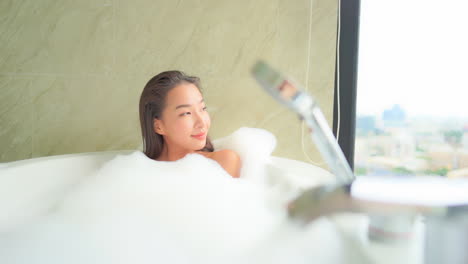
(413, 53)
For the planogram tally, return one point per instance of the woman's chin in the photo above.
(197, 144)
(201, 145)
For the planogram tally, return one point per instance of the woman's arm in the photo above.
(229, 160)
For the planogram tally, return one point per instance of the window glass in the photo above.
(412, 92)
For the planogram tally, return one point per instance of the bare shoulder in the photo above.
(226, 155)
(229, 160)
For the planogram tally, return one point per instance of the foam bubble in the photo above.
(137, 210)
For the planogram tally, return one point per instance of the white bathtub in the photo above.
(63, 171)
(338, 239)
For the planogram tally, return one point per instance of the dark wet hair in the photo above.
(152, 104)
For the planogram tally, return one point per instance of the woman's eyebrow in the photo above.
(187, 105)
(183, 105)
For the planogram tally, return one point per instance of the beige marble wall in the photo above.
(71, 72)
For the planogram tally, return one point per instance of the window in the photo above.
(409, 87)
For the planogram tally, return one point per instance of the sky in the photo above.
(413, 53)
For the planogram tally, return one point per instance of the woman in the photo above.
(174, 121)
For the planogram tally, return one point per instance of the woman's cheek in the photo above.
(208, 120)
(183, 124)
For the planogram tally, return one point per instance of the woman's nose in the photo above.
(200, 120)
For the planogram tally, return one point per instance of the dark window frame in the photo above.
(348, 64)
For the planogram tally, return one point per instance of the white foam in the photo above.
(193, 200)
(254, 147)
(137, 210)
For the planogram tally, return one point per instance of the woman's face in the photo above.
(184, 123)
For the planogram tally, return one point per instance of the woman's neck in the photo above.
(173, 154)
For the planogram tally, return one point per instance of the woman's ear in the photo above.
(158, 126)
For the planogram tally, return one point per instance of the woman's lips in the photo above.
(200, 136)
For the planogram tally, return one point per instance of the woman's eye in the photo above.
(204, 108)
(186, 113)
